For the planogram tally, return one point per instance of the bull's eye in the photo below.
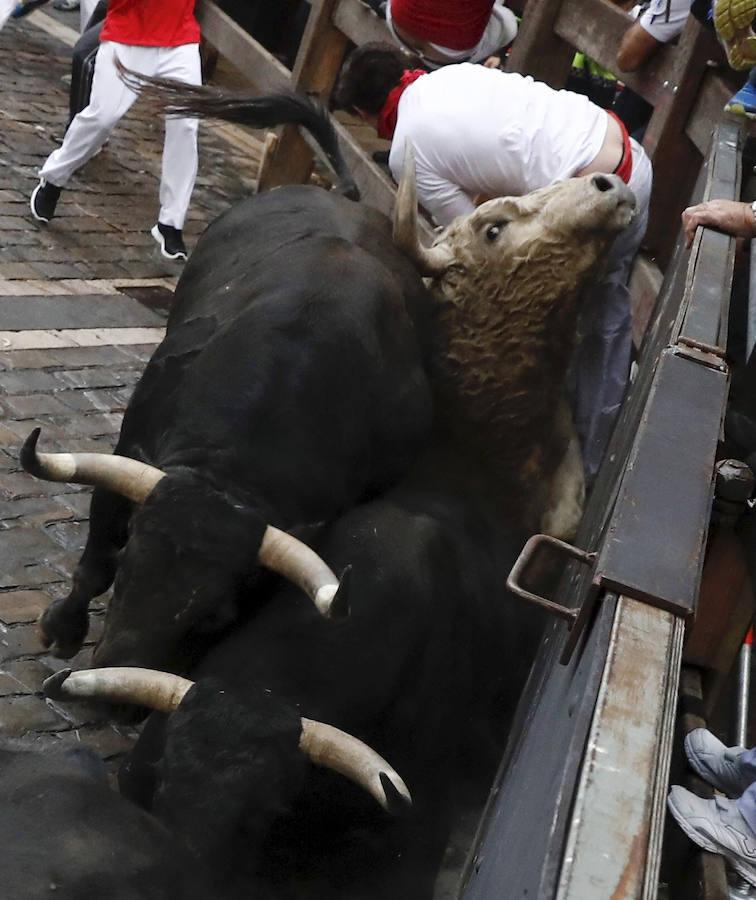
(493, 231)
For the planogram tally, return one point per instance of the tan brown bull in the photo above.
(509, 279)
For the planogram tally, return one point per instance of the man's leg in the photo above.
(87, 43)
(180, 148)
(110, 100)
(601, 365)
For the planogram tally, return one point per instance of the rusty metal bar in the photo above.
(525, 558)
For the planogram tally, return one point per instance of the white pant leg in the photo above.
(601, 363)
(6, 8)
(180, 148)
(109, 101)
(86, 8)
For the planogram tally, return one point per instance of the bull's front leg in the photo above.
(566, 498)
(63, 626)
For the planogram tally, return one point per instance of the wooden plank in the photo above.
(247, 55)
(266, 73)
(645, 285)
(707, 110)
(538, 50)
(725, 608)
(376, 188)
(359, 23)
(315, 71)
(596, 28)
(676, 159)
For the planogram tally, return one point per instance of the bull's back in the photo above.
(268, 231)
(314, 370)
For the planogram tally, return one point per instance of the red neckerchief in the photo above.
(387, 116)
(625, 165)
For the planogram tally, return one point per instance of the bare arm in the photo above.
(636, 48)
(730, 216)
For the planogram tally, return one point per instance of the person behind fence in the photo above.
(480, 133)
(657, 22)
(152, 37)
(451, 31)
(725, 824)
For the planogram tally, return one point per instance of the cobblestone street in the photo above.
(82, 306)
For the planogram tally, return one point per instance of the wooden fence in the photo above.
(686, 83)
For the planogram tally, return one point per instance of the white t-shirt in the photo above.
(483, 131)
(663, 19)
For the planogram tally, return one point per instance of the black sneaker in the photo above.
(44, 199)
(171, 241)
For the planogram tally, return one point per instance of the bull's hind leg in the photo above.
(64, 624)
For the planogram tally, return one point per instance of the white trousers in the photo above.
(601, 363)
(109, 102)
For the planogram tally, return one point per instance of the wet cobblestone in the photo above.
(69, 275)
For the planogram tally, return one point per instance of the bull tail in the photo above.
(176, 98)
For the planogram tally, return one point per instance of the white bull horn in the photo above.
(430, 260)
(119, 684)
(128, 477)
(335, 749)
(325, 745)
(279, 552)
(289, 557)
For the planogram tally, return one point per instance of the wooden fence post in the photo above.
(676, 159)
(538, 50)
(315, 71)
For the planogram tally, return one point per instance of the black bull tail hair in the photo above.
(176, 98)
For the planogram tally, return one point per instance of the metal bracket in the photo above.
(576, 617)
(699, 352)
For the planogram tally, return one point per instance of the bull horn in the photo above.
(119, 684)
(335, 749)
(120, 474)
(325, 745)
(283, 553)
(430, 260)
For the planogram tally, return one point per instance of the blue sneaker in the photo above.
(744, 102)
(24, 8)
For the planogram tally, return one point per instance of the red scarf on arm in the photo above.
(387, 116)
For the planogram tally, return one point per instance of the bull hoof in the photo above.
(61, 631)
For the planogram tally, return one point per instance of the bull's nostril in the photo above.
(602, 183)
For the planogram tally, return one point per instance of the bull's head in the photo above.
(579, 216)
(509, 281)
(206, 704)
(189, 548)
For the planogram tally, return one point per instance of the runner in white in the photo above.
(480, 133)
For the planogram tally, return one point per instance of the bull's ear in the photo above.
(430, 260)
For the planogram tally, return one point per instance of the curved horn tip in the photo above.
(324, 599)
(340, 605)
(52, 687)
(398, 798)
(29, 460)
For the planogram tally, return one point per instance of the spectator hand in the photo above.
(729, 216)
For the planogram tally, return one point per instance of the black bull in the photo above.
(289, 386)
(65, 834)
(425, 669)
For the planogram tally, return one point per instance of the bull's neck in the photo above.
(505, 349)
